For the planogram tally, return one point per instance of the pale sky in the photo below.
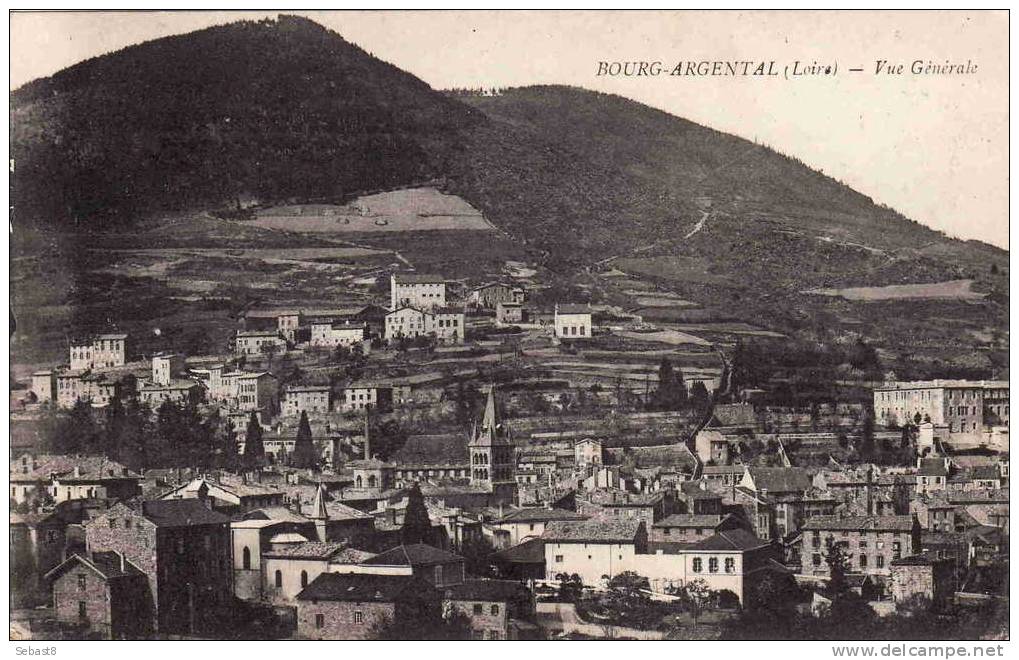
(933, 147)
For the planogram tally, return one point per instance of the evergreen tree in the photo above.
(699, 397)
(417, 526)
(254, 450)
(671, 393)
(305, 455)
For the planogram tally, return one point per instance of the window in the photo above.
(531, 526)
(494, 610)
(863, 543)
(478, 608)
(247, 559)
(81, 582)
(320, 620)
(559, 559)
(713, 565)
(113, 523)
(730, 565)
(180, 546)
(880, 545)
(438, 575)
(863, 561)
(82, 610)
(127, 523)
(358, 617)
(279, 579)
(697, 565)
(880, 561)
(817, 559)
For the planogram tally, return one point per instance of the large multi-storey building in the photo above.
(183, 548)
(102, 351)
(961, 406)
(414, 290)
(871, 543)
(446, 324)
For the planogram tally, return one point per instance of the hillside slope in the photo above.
(580, 181)
(267, 110)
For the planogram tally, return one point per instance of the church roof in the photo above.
(492, 431)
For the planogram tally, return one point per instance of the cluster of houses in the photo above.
(122, 554)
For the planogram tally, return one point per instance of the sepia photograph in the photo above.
(497, 325)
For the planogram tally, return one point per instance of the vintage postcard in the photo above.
(510, 325)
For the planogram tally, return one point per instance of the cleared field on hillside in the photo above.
(415, 209)
(954, 289)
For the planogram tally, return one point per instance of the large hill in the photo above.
(580, 182)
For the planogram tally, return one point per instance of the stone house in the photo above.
(924, 576)
(349, 606)
(104, 593)
(183, 548)
(497, 609)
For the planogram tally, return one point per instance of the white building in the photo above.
(957, 406)
(166, 367)
(445, 324)
(44, 385)
(306, 398)
(359, 396)
(103, 351)
(251, 342)
(332, 334)
(414, 290)
(573, 321)
(595, 548)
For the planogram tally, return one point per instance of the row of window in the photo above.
(698, 565)
(572, 330)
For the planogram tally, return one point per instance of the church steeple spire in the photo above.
(318, 507)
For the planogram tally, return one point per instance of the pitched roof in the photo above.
(571, 308)
(733, 539)
(181, 513)
(425, 450)
(531, 551)
(671, 455)
(780, 479)
(489, 591)
(932, 467)
(592, 531)
(89, 467)
(365, 588)
(690, 520)
(413, 555)
(851, 523)
(307, 549)
(418, 278)
(109, 565)
(538, 514)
